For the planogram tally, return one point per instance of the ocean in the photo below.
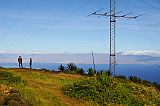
(149, 72)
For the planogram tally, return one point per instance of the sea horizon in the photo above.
(149, 72)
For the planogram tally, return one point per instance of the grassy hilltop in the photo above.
(45, 88)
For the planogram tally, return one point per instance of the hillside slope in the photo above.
(44, 88)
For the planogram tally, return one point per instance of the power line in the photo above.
(143, 29)
(50, 25)
(149, 4)
(53, 24)
(148, 36)
(15, 20)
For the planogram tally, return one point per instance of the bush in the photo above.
(108, 73)
(156, 85)
(44, 69)
(80, 71)
(101, 90)
(135, 79)
(71, 67)
(121, 77)
(141, 81)
(1, 67)
(90, 72)
(61, 68)
(77, 71)
(104, 78)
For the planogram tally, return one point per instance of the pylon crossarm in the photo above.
(113, 16)
(117, 16)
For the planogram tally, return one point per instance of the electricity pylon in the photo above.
(113, 15)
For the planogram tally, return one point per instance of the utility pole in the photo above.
(94, 67)
(113, 15)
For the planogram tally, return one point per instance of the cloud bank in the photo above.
(128, 57)
(143, 52)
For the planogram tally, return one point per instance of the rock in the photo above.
(25, 102)
(14, 91)
(13, 103)
(16, 96)
(2, 99)
(13, 96)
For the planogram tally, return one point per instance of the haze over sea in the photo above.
(149, 72)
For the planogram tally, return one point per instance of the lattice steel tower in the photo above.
(113, 15)
(112, 59)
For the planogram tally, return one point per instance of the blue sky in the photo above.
(24, 26)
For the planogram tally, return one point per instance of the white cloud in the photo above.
(24, 52)
(143, 52)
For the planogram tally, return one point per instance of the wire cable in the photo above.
(147, 35)
(149, 4)
(143, 29)
(53, 24)
(15, 20)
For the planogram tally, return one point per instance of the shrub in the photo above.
(108, 73)
(77, 71)
(1, 67)
(102, 90)
(135, 79)
(141, 81)
(147, 83)
(80, 71)
(121, 77)
(44, 69)
(71, 67)
(90, 72)
(156, 85)
(61, 68)
(104, 78)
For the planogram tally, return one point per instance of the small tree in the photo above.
(80, 71)
(90, 72)
(72, 67)
(61, 67)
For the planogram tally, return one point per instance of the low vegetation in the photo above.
(71, 69)
(100, 89)
(9, 78)
(40, 87)
(138, 80)
(90, 72)
(72, 87)
(106, 90)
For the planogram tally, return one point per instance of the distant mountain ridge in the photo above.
(82, 58)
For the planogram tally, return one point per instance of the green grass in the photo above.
(106, 90)
(45, 88)
(42, 88)
(9, 78)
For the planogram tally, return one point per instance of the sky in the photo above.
(62, 26)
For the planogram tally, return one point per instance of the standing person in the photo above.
(20, 62)
(30, 63)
